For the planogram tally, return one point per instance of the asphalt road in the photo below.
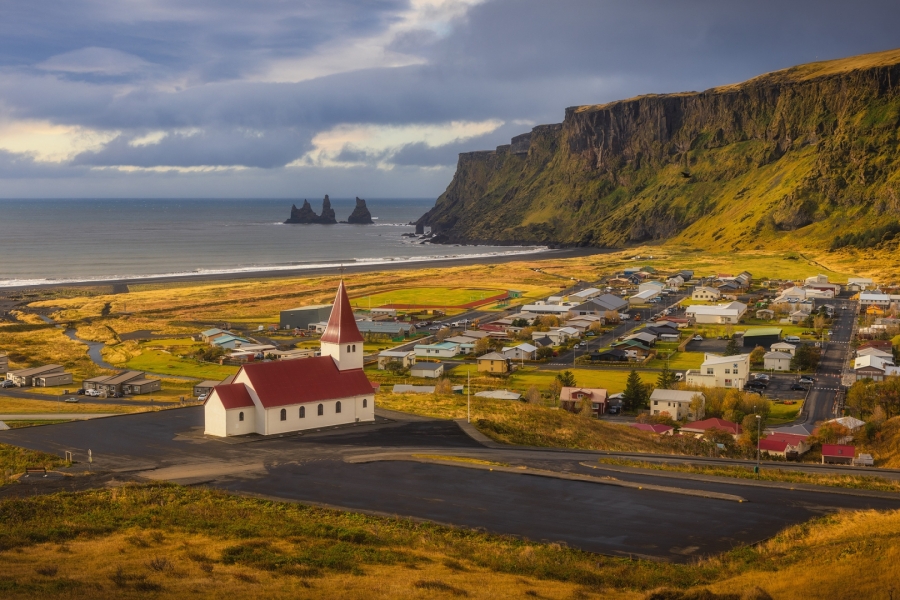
(821, 404)
(311, 468)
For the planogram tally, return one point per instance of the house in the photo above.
(858, 284)
(867, 299)
(657, 428)
(721, 371)
(541, 340)
(613, 355)
(838, 454)
(777, 361)
(773, 447)
(802, 429)
(675, 282)
(644, 336)
(765, 314)
(521, 352)
(677, 403)
(430, 370)
(294, 395)
(394, 329)
(708, 294)
(873, 367)
(500, 395)
(124, 382)
(655, 286)
(571, 397)
(885, 345)
(686, 274)
(701, 427)
(437, 350)
(493, 362)
(406, 358)
(796, 445)
(205, 387)
(783, 347)
(761, 336)
(560, 335)
(585, 294)
(888, 356)
(718, 314)
(643, 297)
(466, 343)
(229, 342)
(798, 316)
(25, 377)
(207, 335)
(633, 349)
(304, 316)
(413, 389)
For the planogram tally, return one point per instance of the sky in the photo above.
(374, 98)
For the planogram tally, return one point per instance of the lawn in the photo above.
(11, 406)
(157, 361)
(612, 380)
(782, 413)
(429, 296)
(679, 361)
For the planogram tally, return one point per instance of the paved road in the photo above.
(822, 401)
(56, 416)
(312, 468)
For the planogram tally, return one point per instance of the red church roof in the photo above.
(233, 395)
(284, 382)
(341, 327)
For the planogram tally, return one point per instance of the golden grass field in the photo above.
(165, 541)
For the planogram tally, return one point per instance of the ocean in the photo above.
(82, 240)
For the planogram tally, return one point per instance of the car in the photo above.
(434, 328)
(202, 397)
(807, 379)
(679, 376)
(697, 338)
(71, 400)
(80, 392)
(612, 410)
(92, 393)
(578, 345)
(829, 333)
(6, 383)
(761, 377)
(798, 387)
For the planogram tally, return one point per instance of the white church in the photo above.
(306, 393)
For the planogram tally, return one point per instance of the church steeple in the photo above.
(342, 340)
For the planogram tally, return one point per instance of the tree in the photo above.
(520, 322)
(830, 433)
(751, 430)
(443, 387)
(806, 358)
(596, 327)
(555, 389)
(611, 317)
(862, 397)
(566, 379)
(757, 357)
(533, 395)
(666, 379)
(483, 346)
(544, 352)
(698, 407)
(395, 367)
(442, 334)
(635, 394)
(732, 348)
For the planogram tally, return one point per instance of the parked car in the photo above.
(807, 379)
(202, 397)
(761, 377)
(798, 387)
(697, 338)
(92, 393)
(679, 376)
(80, 392)
(71, 400)
(6, 383)
(612, 410)
(434, 328)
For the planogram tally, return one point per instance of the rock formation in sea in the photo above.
(360, 214)
(305, 215)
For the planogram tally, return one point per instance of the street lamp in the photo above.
(468, 396)
(758, 424)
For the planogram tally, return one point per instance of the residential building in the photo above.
(52, 379)
(765, 314)
(761, 336)
(708, 294)
(777, 361)
(427, 369)
(876, 352)
(406, 358)
(293, 395)
(643, 297)
(523, 351)
(701, 427)
(677, 403)
(867, 299)
(571, 398)
(207, 335)
(124, 382)
(721, 371)
(783, 347)
(648, 338)
(654, 286)
(857, 284)
(25, 377)
(584, 295)
(4, 363)
(304, 316)
(675, 282)
(719, 314)
(633, 349)
(541, 339)
(875, 368)
(466, 343)
(612, 355)
(796, 445)
(493, 362)
(437, 350)
(205, 387)
(657, 428)
(394, 329)
(837, 454)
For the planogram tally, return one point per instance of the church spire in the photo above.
(341, 327)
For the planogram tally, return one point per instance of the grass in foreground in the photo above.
(859, 482)
(172, 542)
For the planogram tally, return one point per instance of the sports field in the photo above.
(438, 297)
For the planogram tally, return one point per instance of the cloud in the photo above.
(104, 61)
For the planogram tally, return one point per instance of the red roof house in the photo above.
(713, 423)
(838, 454)
(654, 427)
(773, 447)
(796, 443)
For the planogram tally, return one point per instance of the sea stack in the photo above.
(305, 215)
(360, 214)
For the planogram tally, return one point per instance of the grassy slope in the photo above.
(171, 542)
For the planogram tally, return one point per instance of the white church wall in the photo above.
(214, 417)
(349, 413)
(235, 426)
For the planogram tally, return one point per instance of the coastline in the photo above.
(313, 270)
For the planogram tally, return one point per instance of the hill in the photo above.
(811, 150)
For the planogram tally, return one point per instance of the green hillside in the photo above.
(811, 150)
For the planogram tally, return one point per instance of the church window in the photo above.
(365, 402)
(302, 412)
(284, 414)
(348, 347)
(240, 416)
(337, 407)
(354, 347)
(321, 410)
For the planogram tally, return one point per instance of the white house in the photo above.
(675, 282)
(407, 358)
(585, 294)
(677, 403)
(293, 395)
(521, 352)
(655, 286)
(430, 370)
(777, 361)
(783, 347)
(438, 350)
(709, 294)
(857, 284)
(721, 371)
(874, 299)
(643, 297)
(718, 314)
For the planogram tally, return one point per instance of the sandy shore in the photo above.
(120, 285)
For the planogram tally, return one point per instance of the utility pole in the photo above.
(758, 424)
(468, 396)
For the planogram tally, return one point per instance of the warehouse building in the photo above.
(303, 317)
(4, 363)
(763, 336)
(25, 377)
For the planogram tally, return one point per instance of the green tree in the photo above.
(757, 357)
(544, 352)
(751, 429)
(635, 394)
(666, 379)
(566, 379)
(806, 358)
(731, 349)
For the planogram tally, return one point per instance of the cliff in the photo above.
(305, 215)
(360, 214)
(812, 150)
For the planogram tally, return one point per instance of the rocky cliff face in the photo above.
(360, 214)
(812, 150)
(305, 215)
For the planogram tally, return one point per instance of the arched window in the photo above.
(302, 412)
(284, 414)
(348, 347)
(337, 407)
(365, 402)
(321, 410)
(240, 416)
(354, 347)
